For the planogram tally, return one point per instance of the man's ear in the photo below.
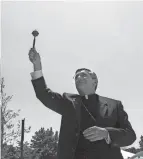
(94, 82)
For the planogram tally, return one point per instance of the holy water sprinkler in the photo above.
(35, 33)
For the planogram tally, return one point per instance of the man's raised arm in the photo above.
(52, 100)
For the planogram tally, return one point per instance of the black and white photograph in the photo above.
(71, 79)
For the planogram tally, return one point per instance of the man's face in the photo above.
(85, 84)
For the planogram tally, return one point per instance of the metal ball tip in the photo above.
(35, 33)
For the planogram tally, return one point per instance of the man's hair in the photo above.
(81, 69)
(92, 74)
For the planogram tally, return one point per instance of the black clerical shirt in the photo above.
(87, 121)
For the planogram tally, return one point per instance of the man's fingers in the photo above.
(91, 137)
(88, 133)
(93, 131)
(31, 53)
(90, 129)
(32, 50)
(31, 56)
(96, 139)
(87, 130)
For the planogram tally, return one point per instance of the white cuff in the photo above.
(36, 74)
(108, 139)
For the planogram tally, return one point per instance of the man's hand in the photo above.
(34, 57)
(95, 133)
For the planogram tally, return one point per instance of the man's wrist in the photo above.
(107, 137)
(36, 74)
(106, 134)
(37, 66)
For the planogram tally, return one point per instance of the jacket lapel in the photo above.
(77, 105)
(104, 108)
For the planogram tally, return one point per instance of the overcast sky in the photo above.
(106, 37)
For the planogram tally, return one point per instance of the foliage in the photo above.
(44, 143)
(131, 149)
(27, 151)
(136, 150)
(141, 142)
(8, 152)
(10, 132)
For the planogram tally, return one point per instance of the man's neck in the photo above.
(87, 95)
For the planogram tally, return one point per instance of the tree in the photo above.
(136, 150)
(10, 132)
(44, 143)
(27, 151)
(141, 143)
(131, 149)
(11, 152)
(8, 152)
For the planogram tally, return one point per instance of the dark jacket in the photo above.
(112, 117)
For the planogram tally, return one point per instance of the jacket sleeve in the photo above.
(124, 134)
(50, 99)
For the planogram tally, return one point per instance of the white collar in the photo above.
(86, 96)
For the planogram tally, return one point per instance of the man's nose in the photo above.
(80, 78)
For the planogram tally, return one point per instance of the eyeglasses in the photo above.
(81, 74)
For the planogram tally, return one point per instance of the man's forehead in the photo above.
(85, 71)
(82, 71)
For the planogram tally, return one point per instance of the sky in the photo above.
(106, 37)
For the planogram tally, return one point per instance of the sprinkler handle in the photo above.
(34, 42)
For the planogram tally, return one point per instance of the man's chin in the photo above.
(81, 92)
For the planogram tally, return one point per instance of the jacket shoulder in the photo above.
(70, 96)
(108, 100)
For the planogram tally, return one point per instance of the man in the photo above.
(92, 127)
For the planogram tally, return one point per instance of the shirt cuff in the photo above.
(36, 74)
(108, 139)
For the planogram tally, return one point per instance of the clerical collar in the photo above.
(88, 96)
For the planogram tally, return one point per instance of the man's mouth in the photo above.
(81, 81)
